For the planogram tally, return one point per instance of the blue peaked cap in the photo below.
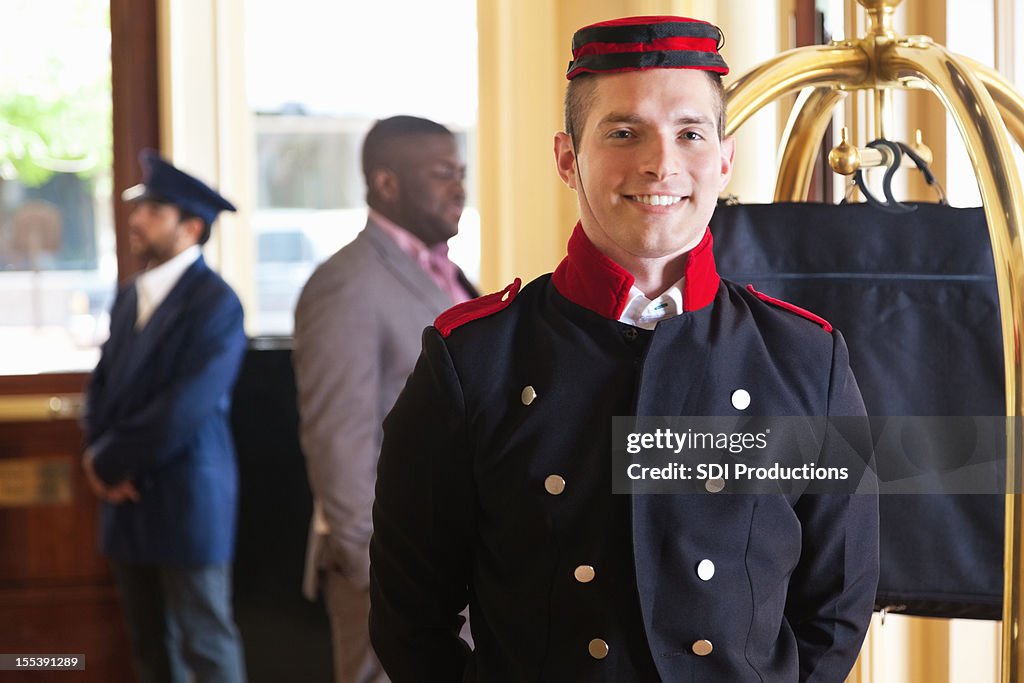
(162, 182)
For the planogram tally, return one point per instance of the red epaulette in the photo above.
(803, 313)
(474, 309)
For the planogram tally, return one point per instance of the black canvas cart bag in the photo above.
(915, 297)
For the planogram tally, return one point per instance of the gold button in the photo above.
(584, 573)
(714, 485)
(554, 484)
(598, 648)
(528, 395)
(702, 648)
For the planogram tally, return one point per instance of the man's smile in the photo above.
(655, 199)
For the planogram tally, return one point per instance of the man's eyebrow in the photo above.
(685, 120)
(616, 117)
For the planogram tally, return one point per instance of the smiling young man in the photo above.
(494, 486)
(650, 166)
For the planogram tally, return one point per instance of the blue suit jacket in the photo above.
(157, 413)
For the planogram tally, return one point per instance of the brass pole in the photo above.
(883, 114)
(880, 16)
(1007, 99)
(808, 121)
(983, 105)
(843, 66)
(982, 129)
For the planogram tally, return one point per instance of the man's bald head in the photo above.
(414, 176)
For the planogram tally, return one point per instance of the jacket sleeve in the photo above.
(832, 589)
(96, 388)
(337, 376)
(207, 367)
(424, 517)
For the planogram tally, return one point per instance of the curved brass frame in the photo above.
(1009, 102)
(843, 66)
(980, 102)
(811, 115)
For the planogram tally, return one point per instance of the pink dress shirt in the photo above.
(434, 260)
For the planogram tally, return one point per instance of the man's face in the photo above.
(156, 232)
(650, 165)
(431, 195)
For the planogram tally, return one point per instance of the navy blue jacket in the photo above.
(463, 514)
(157, 413)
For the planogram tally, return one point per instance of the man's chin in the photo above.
(141, 253)
(451, 230)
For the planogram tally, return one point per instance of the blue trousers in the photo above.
(179, 622)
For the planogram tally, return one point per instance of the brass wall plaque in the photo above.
(26, 482)
(41, 407)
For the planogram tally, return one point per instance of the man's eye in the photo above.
(448, 174)
(692, 135)
(621, 134)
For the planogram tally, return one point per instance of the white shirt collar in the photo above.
(153, 285)
(645, 313)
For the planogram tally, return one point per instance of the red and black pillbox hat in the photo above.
(639, 43)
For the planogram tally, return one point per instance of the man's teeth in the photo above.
(656, 199)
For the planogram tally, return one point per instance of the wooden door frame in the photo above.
(136, 107)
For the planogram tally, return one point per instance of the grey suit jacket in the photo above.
(358, 324)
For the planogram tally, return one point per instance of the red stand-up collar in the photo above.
(590, 279)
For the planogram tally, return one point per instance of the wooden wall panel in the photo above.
(56, 594)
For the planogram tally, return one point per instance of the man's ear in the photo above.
(385, 184)
(728, 156)
(565, 159)
(194, 228)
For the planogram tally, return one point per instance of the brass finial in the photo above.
(880, 15)
(923, 150)
(844, 158)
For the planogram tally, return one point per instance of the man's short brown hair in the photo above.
(579, 97)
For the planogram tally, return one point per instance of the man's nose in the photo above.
(458, 189)
(133, 216)
(661, 158)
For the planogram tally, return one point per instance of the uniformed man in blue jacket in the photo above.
(494, 484)
(160, 453)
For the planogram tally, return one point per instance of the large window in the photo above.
(57, 264)
(315, 87)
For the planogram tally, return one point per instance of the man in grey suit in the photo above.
(357, 336)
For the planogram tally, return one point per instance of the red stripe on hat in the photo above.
(656, 45)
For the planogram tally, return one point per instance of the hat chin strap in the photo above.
(579, 177)
(579, 173)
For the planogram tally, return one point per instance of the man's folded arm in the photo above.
(159, 430)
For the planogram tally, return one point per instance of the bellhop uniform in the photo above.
(495, 479)
(157, 414)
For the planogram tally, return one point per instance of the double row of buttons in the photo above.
(585, 573)
(554, 484)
